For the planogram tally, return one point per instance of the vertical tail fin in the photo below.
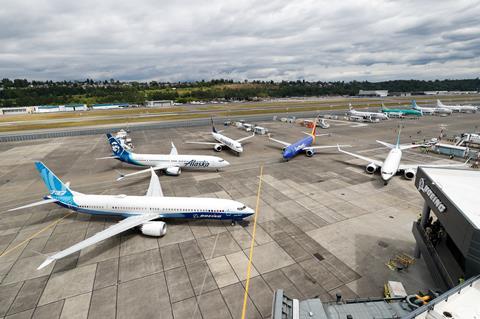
(58, 190)
(116, 145)
(414, 104)
(213, 126)
(397, 145)
(350, 106)
(314, 128)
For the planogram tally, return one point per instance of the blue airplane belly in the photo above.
(297, 147)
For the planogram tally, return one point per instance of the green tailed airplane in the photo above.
(401, 112)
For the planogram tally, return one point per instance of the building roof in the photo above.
(461, 187)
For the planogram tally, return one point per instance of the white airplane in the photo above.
(431, 110)
(365, 114)
(391, 165)
(224, 141)
(171, 164)
(146, 212)
(458, 107)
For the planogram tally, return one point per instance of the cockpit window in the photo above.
(242, 208)
(221, 160)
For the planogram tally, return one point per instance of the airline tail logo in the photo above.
(55, 186)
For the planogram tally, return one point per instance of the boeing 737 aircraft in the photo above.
(366, 115)
(391, 165)
(224, 141)
(302, 145)
(458, 108)
(172, 163)
(146, 212)
(400, 112)
(430, 110)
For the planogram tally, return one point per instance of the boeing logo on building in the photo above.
(422, 187)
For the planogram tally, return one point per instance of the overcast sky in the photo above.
(266, 40)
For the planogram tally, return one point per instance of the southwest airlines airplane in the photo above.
(145, 212)
(172, 163)
(302, 145)
(391, 165)
(224, 141)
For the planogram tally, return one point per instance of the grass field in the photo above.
(130, 115)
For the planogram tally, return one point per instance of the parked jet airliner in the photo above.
(364, 114)
(391, 165)
(224, 141)
(458, 107)
(145, 212)
(430, 110)
(302, 145)
(172, 163)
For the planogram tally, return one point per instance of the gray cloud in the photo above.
(278, 40)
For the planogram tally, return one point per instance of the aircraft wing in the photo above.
(173, 151)
(44, 201)
(280, 142)
(366, 159)
(107, 157)
(409, 146)
(415, 166)
(245, 138)
(203, 143)
(143, 171)
(154, 189)
(111, 231)
(324, 146)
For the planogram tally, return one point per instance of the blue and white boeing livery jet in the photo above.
(302, 145)
(171, 164)
(145, 212)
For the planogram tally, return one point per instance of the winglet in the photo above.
(47, 262)
(213, 127)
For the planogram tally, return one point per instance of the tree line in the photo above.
(22, 92)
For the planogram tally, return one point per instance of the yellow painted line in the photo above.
(36, 234)
(249, 268)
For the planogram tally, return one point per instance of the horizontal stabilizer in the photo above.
(42, 202)
(386, 144)
(107, 157)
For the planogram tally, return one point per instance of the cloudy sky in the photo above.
(267, 40)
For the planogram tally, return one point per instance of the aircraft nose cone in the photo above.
(249, 211)
(225, 163)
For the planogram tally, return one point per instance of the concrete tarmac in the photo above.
(324, 226)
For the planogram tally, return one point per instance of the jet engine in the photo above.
(217, 147)
(409, 173)
(309, 152)
(173, 171)
(371, 168)
(154, 229)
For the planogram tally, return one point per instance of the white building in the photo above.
(17, 110)
(159, 103)
(108, 106)
(380, 93)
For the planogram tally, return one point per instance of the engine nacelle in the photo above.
(154, 229)
(371, 168)
(217, 147)
(309, 152)
(409, 173)
(173, 171)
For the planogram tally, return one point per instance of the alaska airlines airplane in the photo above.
(366, 115)
(302, 145)
(146, 212)
(430, 110)
(391, 165)
(172, 163)
(400, 112)
(458, 108)
(224, 141)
